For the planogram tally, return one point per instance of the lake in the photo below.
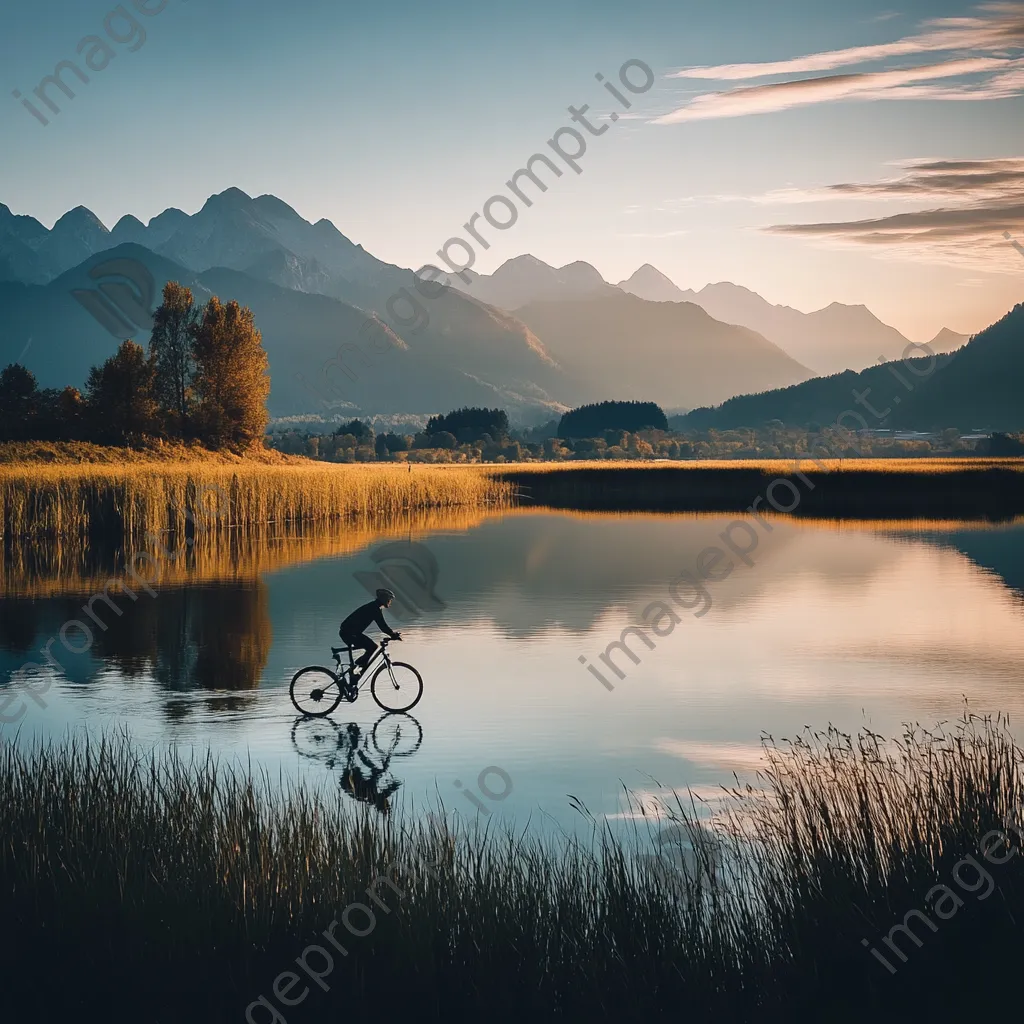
(849, 624)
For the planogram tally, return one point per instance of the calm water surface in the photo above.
(834, 623)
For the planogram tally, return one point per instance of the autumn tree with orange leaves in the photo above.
(231, 383)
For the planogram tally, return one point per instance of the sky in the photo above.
(814, 153)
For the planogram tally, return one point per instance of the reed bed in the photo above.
(165, 888)
(92, 502)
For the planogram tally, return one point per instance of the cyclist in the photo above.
(352, 629)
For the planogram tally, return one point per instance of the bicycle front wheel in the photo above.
(316, 691)
(396, 686)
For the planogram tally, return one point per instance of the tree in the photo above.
(171, 347)
(71, 412)
(396, 442)
(595, 420)
(443, 439)
(60, 415)
(18, 394)
(362, 432)
(470, 424)
(120, 398)
(231, 381)
(381, 446)
(1002, 445)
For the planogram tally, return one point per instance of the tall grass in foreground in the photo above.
(125, 501)
(144, 889)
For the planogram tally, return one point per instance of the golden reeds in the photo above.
(127, 501)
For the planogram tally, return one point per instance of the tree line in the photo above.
(204, 378)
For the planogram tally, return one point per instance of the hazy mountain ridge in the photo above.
(471, 345)
(948, 341)
(828, 340)
(526, 279)
(670, 353)
(301, 332)
(485, 352)
(976, 387)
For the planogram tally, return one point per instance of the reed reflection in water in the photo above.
(840, 623)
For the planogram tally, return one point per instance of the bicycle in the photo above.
(395, 685)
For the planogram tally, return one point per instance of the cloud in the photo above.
(985, 48)
(761, 99)
(964, 180)
(948, 224)
(982, 199)
(1002, 30)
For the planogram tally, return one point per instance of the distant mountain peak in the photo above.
(947, 332)
(648, 282)
(81, 217)
(830, 340)
(948, 340)
(525, 279)
(128, 229)
(274, 207)
(526, 260)
(171, 213)
(731, 285)
(327, 230)
(649, 270)
(582, 272)
(230, 198)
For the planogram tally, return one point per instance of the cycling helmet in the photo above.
(385, 595)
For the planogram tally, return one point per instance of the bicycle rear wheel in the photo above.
(316, 691)
(316, 738)
(396, 686)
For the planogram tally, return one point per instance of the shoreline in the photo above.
(858, 490)
(99, 503)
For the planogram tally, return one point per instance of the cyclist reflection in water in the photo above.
(365, 786)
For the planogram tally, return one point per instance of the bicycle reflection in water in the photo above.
(364, 759)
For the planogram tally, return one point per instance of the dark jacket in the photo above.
(361, 618)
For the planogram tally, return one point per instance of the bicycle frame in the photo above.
(381, 652)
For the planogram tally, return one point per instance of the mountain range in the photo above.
(977, 387)
(530, 337)
(829, 340)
